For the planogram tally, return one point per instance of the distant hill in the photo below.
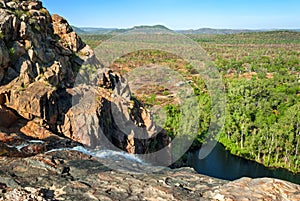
(91, 30)
(150, 27)
(216, 31)
(229, 31)
(113, 31)
(78, 30)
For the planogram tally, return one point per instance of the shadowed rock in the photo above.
(45, 68)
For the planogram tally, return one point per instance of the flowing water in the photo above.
(220, 163)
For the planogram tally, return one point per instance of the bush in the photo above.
(1, 35)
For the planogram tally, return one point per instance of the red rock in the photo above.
(7, 117)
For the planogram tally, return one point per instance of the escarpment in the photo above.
(41, 60)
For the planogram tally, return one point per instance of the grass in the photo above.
(11, 52)
(22, 87)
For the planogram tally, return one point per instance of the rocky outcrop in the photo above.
(51, 79)
(71, 175)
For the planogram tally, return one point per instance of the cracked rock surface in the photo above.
(71, 175)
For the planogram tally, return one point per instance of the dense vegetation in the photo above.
(270, 37)
(263, 120)
(261, 72)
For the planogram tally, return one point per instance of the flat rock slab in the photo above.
(71, 175)
(267, 189)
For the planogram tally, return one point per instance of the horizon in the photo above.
(193, 29)
(179, 15)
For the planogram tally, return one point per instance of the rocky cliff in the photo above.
(41, 58)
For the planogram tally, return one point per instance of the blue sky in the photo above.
(179, 14)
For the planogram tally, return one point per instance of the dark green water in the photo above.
(220, 163)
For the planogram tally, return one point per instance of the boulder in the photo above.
(1, 74)
(65, 32)
(12, 5)
(25, 31)
(2, 4)
(19, 49)
(7, 117)
(10, 75)
(35, 5)
(4, 55)
(60, 25)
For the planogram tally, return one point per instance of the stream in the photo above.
(220, 163)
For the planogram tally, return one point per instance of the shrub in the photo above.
(1, 35)
(19, 13)
(11, 52)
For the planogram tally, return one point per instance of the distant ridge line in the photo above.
(94, 30)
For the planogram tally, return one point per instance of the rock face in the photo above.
(70, 175)
(45, 68)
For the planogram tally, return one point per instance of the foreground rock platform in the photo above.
(71, 175)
